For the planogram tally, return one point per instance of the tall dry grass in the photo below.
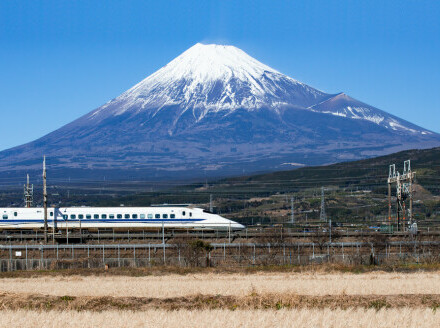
(402, 318)
(228, 284)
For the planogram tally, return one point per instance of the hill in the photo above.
(354, 192)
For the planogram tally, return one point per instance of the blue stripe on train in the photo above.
(105, 220)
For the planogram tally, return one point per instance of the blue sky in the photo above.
(61, 59)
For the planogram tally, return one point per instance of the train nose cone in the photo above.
(238, 226)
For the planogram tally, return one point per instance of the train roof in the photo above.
(170, 205)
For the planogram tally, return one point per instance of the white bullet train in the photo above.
(154, 217)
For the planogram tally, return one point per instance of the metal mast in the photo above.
(45, 199)
(391, 177)
(322, 216)
(408, 176)
(28, 193)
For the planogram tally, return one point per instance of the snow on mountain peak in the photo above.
(212, 62)
(212, 77)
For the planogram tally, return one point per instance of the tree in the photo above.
(193, 251)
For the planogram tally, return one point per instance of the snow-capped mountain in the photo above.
(216, 110)
(218, 78)
(213, 78)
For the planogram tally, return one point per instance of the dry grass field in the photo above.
(377, 283)
(259, 299)
(306, 318)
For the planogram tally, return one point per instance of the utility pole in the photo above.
(67, 233)
(45, 199)
(398, 198)
(210, 204)
(322, 216)
(292, 211)
(330, 229)
(163, 241)
(409, 175)
(392, 173)
(55, 213)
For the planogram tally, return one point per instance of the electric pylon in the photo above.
(404, 191)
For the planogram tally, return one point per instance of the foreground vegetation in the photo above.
(254, 301)
(237, 285)
(299, 318)
(322, 296)
(158, 270)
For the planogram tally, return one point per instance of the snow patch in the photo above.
(396, 126)
(293, 164)
(357, 113)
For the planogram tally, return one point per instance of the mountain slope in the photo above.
(216, 111)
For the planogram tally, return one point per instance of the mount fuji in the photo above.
(216, 111)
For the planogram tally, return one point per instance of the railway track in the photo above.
(76, 236)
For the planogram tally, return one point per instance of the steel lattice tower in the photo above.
(404, 191)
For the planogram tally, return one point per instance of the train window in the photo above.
(172, 216)
(190, 214)
(119, 216)
(88, 216)
(103, 216)
(150, 216)
(15, 213)
(73, 216)
(157, 216)
(111, 216)
(96, 216)
(142, 216)
(81, 216)
(51, 213)
(65, 217)
(134, 216)
(165, 216)
(183, 213)
(5, 216)
(127, 216)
